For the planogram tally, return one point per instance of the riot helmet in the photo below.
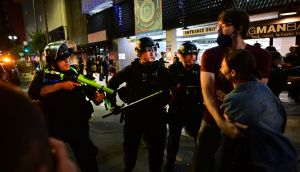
(56, 51)
(143, 44)
(188, 48)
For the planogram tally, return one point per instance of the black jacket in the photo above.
(187, 92)
(64, 110)
(141, 81)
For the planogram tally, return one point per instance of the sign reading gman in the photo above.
(274, 30)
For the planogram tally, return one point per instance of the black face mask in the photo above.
(224, 40)
(223, 79)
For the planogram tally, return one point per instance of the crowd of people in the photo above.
(224, 104)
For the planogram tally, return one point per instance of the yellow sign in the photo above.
(200, 31)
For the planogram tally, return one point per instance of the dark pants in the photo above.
(155, 134)
(84, 150)
(191, 121)
(208, 142)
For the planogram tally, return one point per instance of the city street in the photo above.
(107, 135)
(218, 41)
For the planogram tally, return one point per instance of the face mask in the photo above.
(222, 78)
(224, 40)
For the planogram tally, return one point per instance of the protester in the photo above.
(233, 26)
(279, 76)
(262, 147)
(25, 143)
(293, 61)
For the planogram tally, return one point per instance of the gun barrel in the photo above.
(92, 83)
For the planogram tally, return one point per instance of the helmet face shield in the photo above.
(190, 52)
(56, 51)
(188, 48)
(150, 49)
(146, 44)
(63, 52)
(143, 43)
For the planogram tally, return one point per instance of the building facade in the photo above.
(11, 22)
(61, 18)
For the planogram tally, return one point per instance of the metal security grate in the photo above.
(203, 11)
(170, 14)
(96, 22)
(179, 13)
(191, 12)
(259, 6)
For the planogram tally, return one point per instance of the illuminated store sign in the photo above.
(200, 31)
(274, 30)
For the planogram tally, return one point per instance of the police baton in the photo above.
(291, 69)
(122, 108)
(192, 86)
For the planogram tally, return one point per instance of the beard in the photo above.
(224, 41)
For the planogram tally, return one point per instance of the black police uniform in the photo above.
(147, 118)
(185, 107)
(67, 114)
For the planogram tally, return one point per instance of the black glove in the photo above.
(89, 76)
(116, 109)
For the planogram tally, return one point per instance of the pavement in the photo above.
(107, 136)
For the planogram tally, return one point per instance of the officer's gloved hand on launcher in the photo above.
(89, 76)
(115, 109)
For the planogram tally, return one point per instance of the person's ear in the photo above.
(137, 52)
(181, 58)
(238, 29)
(233, 73)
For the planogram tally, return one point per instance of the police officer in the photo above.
(143, 77)
(186, 105)
(64, 104)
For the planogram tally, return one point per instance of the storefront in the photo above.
(280, 33)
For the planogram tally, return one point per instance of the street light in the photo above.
(12, 37)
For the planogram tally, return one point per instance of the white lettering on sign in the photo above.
(274, 30)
